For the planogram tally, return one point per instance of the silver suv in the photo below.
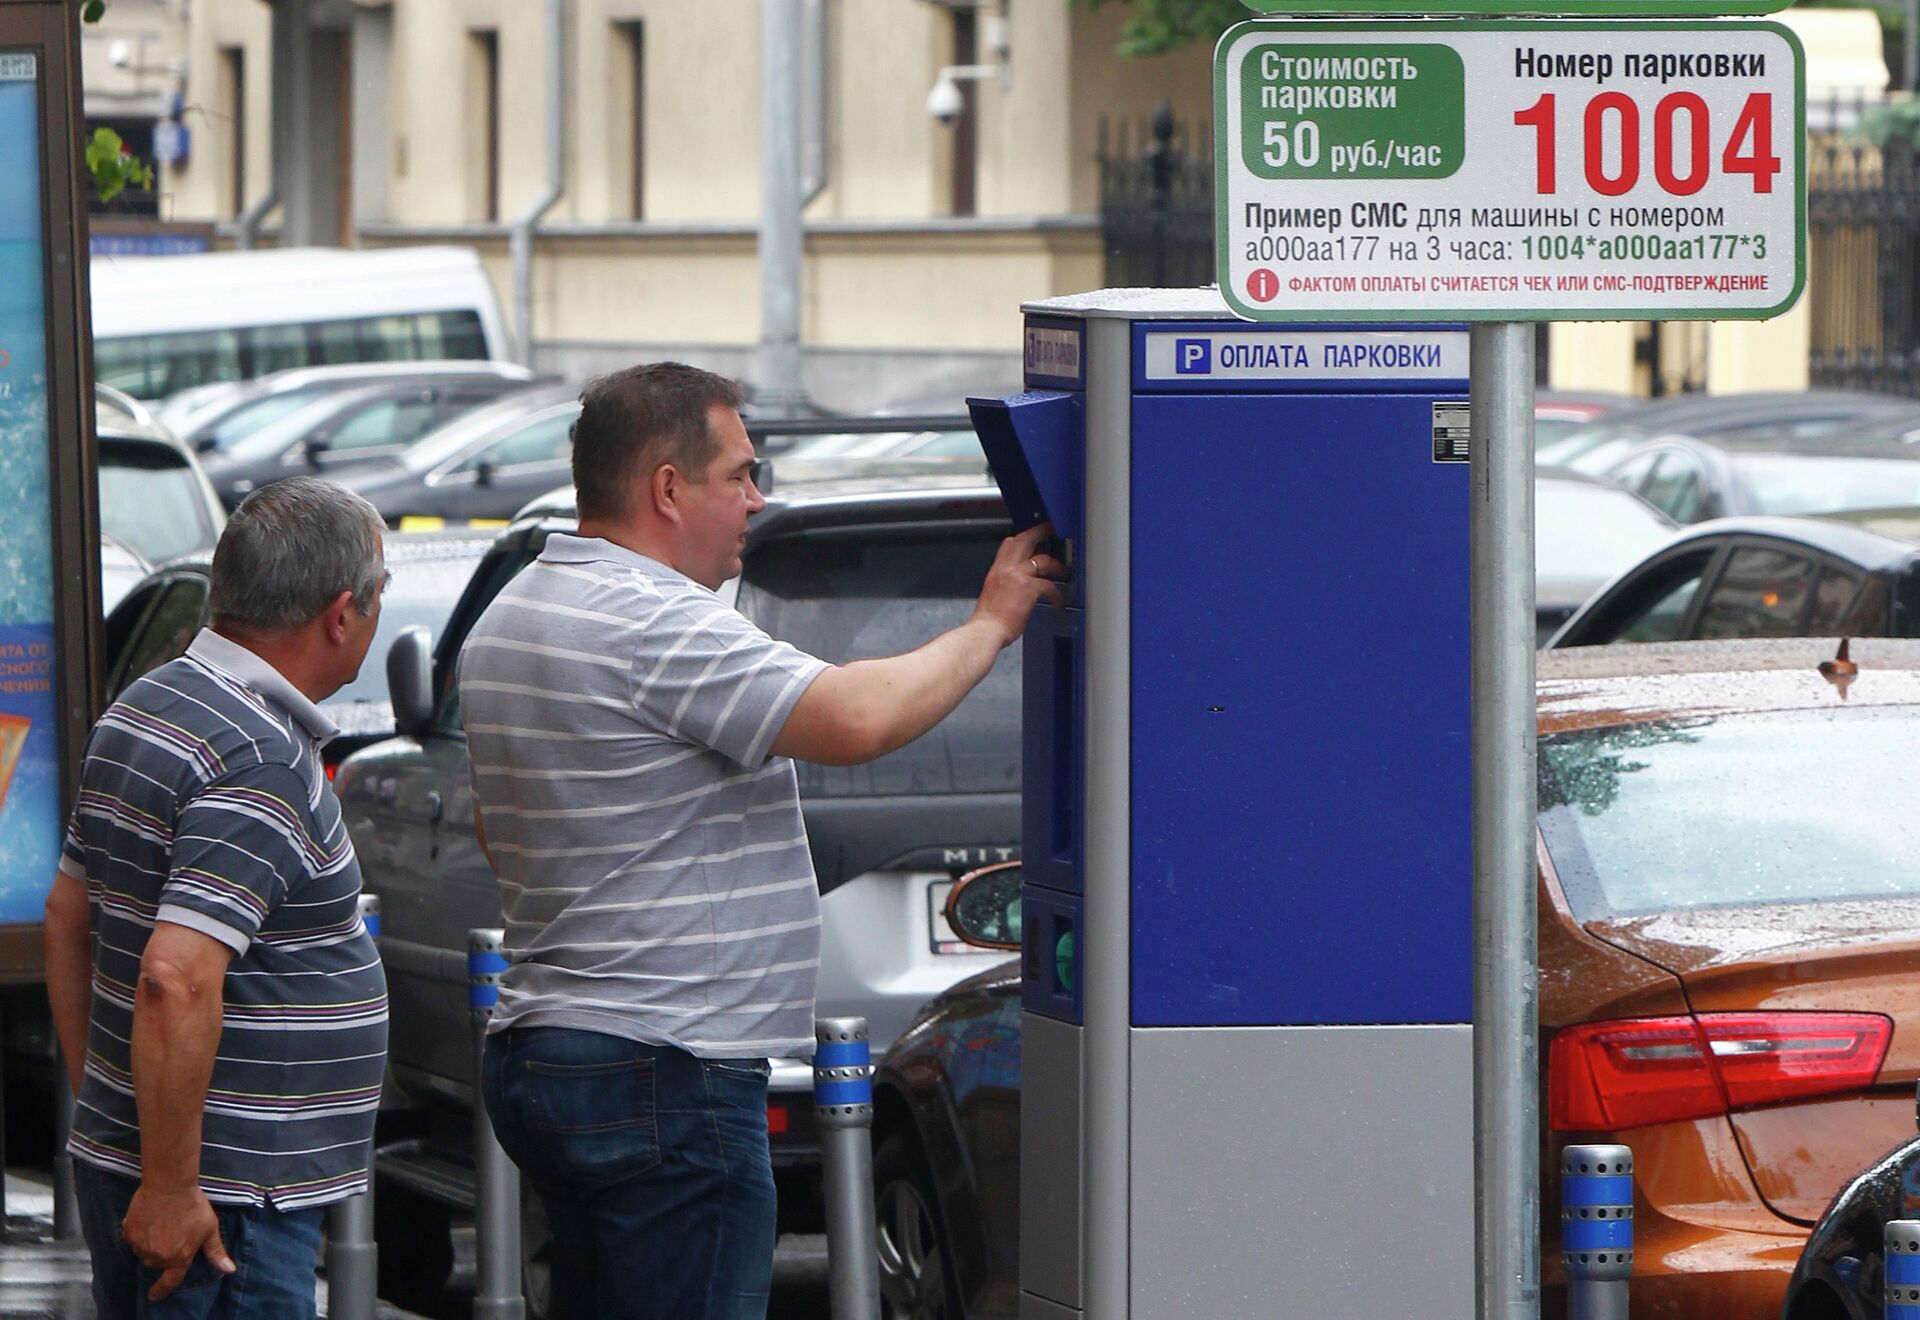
(846, 562)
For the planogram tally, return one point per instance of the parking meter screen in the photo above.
(29, 747)
(1734, 811)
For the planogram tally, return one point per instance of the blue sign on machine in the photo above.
(1246, 846)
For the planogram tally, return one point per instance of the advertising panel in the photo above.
(30, 816)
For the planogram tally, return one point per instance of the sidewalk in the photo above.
(41, 1279)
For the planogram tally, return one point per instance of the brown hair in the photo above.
(633, 422)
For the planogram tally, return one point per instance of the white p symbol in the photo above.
(1191, 354)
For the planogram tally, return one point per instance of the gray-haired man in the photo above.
(220, 1005)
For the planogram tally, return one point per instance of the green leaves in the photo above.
(91, 10)
(1158, 26)
(114, 166)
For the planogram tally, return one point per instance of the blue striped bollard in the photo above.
(843, 1107)
(496, 1192)
(353, 1260)
(1596, 1230)
(1902, 1261)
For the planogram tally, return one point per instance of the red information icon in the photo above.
(1263, 285)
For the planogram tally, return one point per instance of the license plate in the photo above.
(939, 933)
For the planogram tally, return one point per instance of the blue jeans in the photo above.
(275, 1253)
(653, 1168)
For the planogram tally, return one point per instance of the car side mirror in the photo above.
(315, 446)
(984, 908)
(483, 472)
(410, 681)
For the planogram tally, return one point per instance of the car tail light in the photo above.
(776, 1120)
(1606, 1076)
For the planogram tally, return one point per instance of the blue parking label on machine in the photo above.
(1342, 356)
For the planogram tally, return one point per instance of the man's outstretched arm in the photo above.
(861, 711)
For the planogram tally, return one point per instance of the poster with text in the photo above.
(30, 823)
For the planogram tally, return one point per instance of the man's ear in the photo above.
(339, 617)
(665, 488)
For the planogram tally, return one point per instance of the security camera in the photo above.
(944, 102)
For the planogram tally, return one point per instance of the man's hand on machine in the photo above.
(1021, 577)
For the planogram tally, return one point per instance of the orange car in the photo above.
(1729, 930)
(1729, 919)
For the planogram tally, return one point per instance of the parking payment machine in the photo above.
(1247, 1084)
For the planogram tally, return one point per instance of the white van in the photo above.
(165, 324)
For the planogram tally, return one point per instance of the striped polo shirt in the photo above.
(203, 802)
(653, 863)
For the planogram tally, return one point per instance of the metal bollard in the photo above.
(843, 1106)
(1901, 1258)
(1596, 1230)
(496, 1202)
(66, 1200)
(353, 1257)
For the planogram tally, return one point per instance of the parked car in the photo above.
(490, 463)
(1558, 412)
(956, 439)
(1842, 1270)
(484, 464)
(1852, 574)
(843, 567)
(1585, 532)
(337, 432)
(160, 616)
(1594, 448)
(1691, 479)
(154, 498)
(210, 417)
(1729, 911)
(121, 568)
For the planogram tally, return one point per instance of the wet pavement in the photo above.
(44, 1279)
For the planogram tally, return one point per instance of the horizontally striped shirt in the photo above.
(203, 803)
(653, 863)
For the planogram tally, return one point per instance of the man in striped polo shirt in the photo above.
(220, 1005)
(630, 738)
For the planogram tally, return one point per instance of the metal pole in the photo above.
(843, 1106)
(66, 1202)
(777, 384)
(496, 1199)
(1596, 1230)
(1910, 62)
(520, 239)
(353, 1257)
(1505, 944)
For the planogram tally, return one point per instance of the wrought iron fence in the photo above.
(1156, 203)
(1863, 271)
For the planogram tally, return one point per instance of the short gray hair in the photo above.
(289, 549)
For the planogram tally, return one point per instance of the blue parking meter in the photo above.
(1247, 857)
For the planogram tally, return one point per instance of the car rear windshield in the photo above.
(855, 594)
(1808, 483)
(153, 501)
(1734, 810)
(423, 591)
